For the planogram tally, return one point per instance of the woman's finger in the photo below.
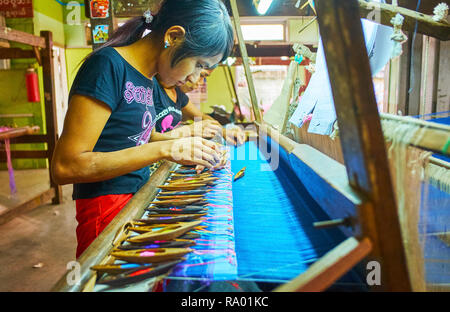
(209, 151)
(213, 130)
(200, 154)
(199, 169)
(211, 145)
(241, 137)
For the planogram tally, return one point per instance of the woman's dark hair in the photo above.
(207, 24)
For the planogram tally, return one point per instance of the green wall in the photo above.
(218, 93)
(73, 59)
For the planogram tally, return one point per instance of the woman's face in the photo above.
(187, 70)
(189, 87)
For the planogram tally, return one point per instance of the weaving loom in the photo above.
(250, 220)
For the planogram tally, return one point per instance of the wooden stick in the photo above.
(433, 137)
(439, 162)
(245, 62)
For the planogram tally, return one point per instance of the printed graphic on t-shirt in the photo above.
(168, 119)
(143, 96)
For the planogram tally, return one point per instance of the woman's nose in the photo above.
(193, 78)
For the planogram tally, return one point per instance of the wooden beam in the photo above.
(265, 50)
(48, 73)
(426, 6)
(35, 202)
(24, 155)
(37, 138)
(425, 23)
(432, 136)
(130, 8)
(245, 60)
(332, 266)
(17, 132)
(14, 53)
(21, 37)
(361, 136)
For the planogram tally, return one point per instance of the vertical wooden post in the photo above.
(244, 55)
(393, 86)
(404, 79)
(362, 137)
(50, 107)
(415, 75)
(443, 92)
(4, 63)
(430, 71)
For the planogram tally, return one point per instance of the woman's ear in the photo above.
(174, 35)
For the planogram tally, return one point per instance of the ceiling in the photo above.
(128, 8)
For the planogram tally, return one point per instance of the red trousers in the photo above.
(94, 214)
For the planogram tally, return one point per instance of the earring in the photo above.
(166, 44)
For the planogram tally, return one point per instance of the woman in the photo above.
(104, 149)
(173, 105)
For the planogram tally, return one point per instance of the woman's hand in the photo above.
(234, 136)
(193, 151)
(206, 128)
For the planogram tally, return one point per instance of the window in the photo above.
(263, 32)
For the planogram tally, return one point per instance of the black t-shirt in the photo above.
(168, 113)
(108, 77)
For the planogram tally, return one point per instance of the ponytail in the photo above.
(128, 33)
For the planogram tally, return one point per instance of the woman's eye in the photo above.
(199, 65)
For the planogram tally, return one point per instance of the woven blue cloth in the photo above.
(274, 215)
(214, 257)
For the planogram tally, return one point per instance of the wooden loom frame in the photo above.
(364, 125)
(363, 150)
(43, 52)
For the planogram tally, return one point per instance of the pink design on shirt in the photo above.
(166, 123)
(147, 125)
(139, 94)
